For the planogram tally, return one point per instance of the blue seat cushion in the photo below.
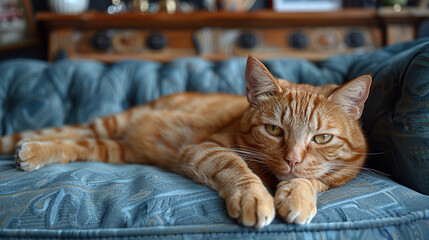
(130, 200)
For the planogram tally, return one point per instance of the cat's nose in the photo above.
(292, 159)
(292, 163)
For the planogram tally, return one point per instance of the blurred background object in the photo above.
(236, 5)
(69, 6)
(306, 6)
(224, 28)
(17, 28)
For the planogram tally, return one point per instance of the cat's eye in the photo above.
(322, 138)
(274, 130)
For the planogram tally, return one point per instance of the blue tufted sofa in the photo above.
(96, 200)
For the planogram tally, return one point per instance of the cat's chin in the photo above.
(286, 177)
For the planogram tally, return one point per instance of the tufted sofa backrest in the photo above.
(36, 94)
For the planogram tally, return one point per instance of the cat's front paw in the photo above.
(252, 205)
(30, 156)
(296, 201)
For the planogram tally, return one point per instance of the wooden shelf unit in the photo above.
(213, 35)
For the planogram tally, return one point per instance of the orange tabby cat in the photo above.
(295, 138)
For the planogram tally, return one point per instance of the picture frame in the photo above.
(306, 5)
(17, 24)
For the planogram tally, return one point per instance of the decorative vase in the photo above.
(68, 6)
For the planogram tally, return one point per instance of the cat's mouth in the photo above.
(286, 177)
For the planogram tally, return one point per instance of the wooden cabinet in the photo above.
(213, 35)
(401, 26)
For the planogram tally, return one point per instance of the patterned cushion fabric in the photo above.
(89, 200)
(89, 196)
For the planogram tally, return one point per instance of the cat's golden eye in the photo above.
(274, 130)
(322, 138)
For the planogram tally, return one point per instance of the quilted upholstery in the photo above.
(90, 200)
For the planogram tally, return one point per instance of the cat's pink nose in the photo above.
(292, 159)
(292, 164)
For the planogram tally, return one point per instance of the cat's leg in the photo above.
(9, 143)
(32, 155)
(247, 199)
(295, 199)
(107, 127)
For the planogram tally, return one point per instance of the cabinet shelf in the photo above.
(213, 35)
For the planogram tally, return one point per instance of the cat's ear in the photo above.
(259, 80)
(352, 95)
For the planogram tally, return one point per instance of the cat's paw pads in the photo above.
(296, 201)
(29, 156)
(252, 206)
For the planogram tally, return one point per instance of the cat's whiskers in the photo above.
(338, 175)
(265, 161)
(353, 177)
(259, 169)
(254, 157)
(347, 172)
(324, 181)
(248, 148)
(250, 159)
(342, 164)
(330, 178)
(250, 153)
(369, 153)
(254, 154)
(338, 171)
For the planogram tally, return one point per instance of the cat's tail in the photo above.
(107, 127)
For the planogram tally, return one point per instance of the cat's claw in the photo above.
(252, 206)
(26, 157)
(296, 201)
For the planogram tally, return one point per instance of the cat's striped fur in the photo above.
(298, 140)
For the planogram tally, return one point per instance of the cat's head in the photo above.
(301, 131)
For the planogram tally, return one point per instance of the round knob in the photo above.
(156, 41)
(298, 40)
(101, 41)
(354, 39)
(60, 55)
(247, 40)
